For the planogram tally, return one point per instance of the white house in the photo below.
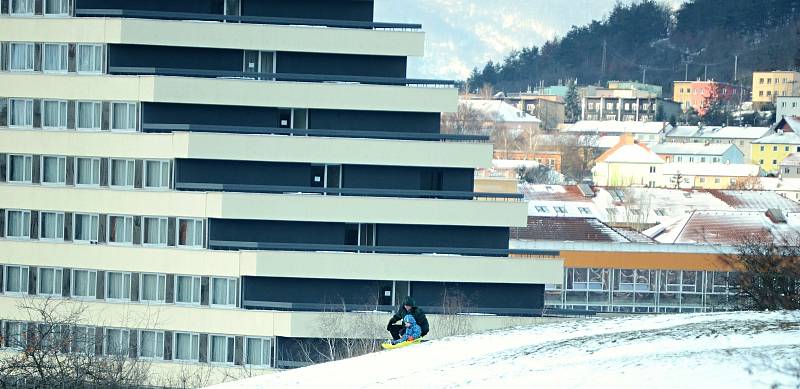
(629, 163)
(649, 133)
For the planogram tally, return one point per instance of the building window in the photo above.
(761, 148)
(56, 7)
(54, 114)
(156, 174)
(223, 291)
(16, 279)
(117, 341)
(652, 169)
(83, 340)
(123, 116)
(560, 209)
(120, 229)
(541, 209)
(716, 180)
(84, 283)
(89, 115)
(702, 180)
(155, 231)
(122, 172)
(187, 289)
(187, 347)
(702, 159)
(118, 286)
(55, 57)
(50, 281)
(786, 148)
(87, 171)
(660, 212)
(584, 211)
(90, 58)
(18, 224)
(760, 161)
(151, 344)
(20, 168)
(20, 113)
(54, 170)
(86, 228)
(635, 212)
(51, 227)
(21, 57)
(220, 349)
(152, 287)
(258, 351)
(190, 233)
(16, 335)
(774, 148)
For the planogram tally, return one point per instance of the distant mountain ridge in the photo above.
(463, 34)
(652, 41)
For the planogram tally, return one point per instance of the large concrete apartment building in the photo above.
(238, 169)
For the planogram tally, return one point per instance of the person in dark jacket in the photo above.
(409, 307)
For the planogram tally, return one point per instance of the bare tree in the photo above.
(465, 121)
(577, 155)
(747, 183)
(56, 350)
(453, 321)
(540, 174)
(768, 274)
(347, 334)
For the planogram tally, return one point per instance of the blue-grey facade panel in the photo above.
(422, 122)
(358, 10)
(175, 57)
(341, 64)
(355, 10)
(389, 235)
(222, 115)
(300, 175)
(192, 6)
(405, 235)
(242, 172)
(314, 291)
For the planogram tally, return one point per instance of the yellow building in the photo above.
(767, 86)
(709, 175)
(771, 150)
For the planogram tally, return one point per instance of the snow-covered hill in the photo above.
(723, 350)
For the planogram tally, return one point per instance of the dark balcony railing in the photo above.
(294, 77)
(268, 246)
(344, 307)
(422, 136)
(143, 14)
(405, 193)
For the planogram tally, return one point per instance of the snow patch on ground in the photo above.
(665, 351)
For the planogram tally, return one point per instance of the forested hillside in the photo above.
(648, 36)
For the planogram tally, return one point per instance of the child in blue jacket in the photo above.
(412, 331)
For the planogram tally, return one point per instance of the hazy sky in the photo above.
(462, 34)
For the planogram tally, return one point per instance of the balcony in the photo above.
(292, 77)
(316, 132)
(161, 15)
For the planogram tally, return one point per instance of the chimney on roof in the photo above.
(776, 215)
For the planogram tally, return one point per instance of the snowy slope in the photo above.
(666, 351)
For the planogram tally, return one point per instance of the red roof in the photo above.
(567, 229)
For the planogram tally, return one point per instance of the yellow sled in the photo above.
(390, 346)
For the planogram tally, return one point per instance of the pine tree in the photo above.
(572, 105)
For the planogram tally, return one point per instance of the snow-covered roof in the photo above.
(575, 229)
(607, 141)
(713, 149)
(711, 169)
(755, 200)
(781, 184)
(731, 350)
(791, 160)
(730, 228)
(502, 111)
(630, 153)
(617, 127)
(780, 138)
(508, 164)
(716, 132)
